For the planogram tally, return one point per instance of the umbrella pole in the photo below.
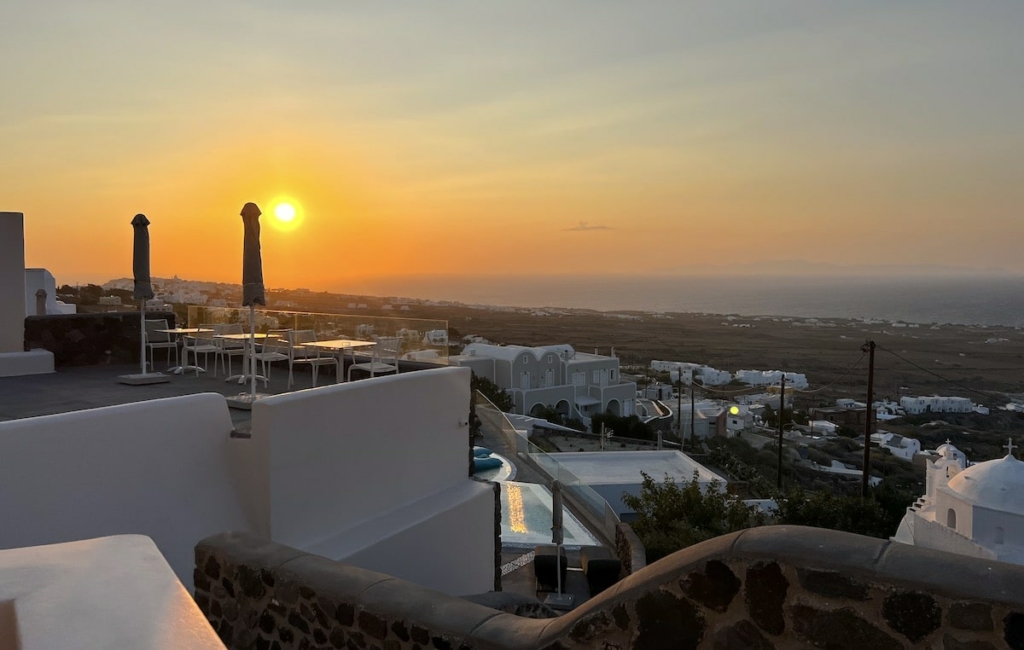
(142, 333)
(558, 567)
(252, 348)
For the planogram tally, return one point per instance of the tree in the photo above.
(495, 393)
(670, 516)
(878, 515)
(629, 426)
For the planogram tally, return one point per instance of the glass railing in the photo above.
(422, 340)
(493, 421)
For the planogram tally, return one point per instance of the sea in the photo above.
(971, 300)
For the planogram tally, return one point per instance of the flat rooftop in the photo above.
(624, 467)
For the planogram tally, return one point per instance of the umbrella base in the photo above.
(143, 379)
(563, 602)
(244, 401)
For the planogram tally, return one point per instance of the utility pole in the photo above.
(782, 412)
(679, 405)
(693, 411)
(869, 347)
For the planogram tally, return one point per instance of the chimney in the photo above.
(41, 302)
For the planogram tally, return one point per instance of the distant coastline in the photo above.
(971, 300)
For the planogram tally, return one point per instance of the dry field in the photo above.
(823, 351)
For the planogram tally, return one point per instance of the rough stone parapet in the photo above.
(629, 549)
(770, 587)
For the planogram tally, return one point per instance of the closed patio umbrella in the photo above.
(253, 292)
(140, 270)
(143, 292)
(558, 600)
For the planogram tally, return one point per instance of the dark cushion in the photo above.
(544, 567)
(601, 568)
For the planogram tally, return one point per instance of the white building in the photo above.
(692, 371)
(435, 337)
(899, 446)
(823, 427)
(771, 378)
(36, 279)
(576, 384)
(975, 511)
(936, 404)
(611, 473)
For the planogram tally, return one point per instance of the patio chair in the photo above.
(156, 340)
(201, 343)
(297, 354)
(228, 348)
(600, 567)
(544, 562)
(274, 348)
(384, 359)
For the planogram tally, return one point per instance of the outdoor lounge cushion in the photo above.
(544, 567)
(602, 570)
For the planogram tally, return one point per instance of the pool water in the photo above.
(526, 518)
(504, 473)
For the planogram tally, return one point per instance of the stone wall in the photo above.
(770, 587)
(629, 549)
(89, 339)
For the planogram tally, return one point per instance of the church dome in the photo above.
(995, 484)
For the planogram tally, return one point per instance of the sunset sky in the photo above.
(490, 138)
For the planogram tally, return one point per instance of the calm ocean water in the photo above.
(971, 300)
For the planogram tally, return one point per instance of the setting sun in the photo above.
(284, 211)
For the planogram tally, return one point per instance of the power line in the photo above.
(836, 381)
(945, 379)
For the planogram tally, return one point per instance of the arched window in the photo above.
(951, 519)
(1000, 535)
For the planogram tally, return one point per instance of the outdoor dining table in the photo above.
(178, 333)
(339, 346)
(246, 375)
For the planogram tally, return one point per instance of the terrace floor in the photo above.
(85, 387)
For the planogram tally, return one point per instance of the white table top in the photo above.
(185, 330)
(240, 337)
(338, 344)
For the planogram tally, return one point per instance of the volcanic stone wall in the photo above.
(770, 587)
(90, 339)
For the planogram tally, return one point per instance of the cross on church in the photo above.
(1009, 447)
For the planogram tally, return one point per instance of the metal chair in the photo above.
(299, 354)
(384, 359)
(273, 348)
(201, 343)
(156, 340)
(228, 348)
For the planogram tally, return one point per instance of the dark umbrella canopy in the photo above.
(253, 292)
(557, 534)
(140, 258)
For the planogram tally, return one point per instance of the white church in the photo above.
(974, 510)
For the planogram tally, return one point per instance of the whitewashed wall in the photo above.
(374, 473)
(164, 468)
(12, 282)
(36, 279)
(338, 457)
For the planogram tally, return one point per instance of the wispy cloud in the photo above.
(584, 225)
